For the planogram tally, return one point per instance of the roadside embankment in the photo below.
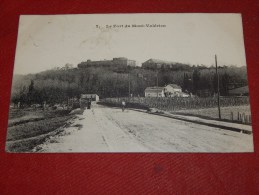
(28, 128)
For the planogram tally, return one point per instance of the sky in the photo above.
(48, 41)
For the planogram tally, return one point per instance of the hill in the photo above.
(58, 85)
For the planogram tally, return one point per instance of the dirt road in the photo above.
(104, 129)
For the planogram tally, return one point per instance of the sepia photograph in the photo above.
(108, 83)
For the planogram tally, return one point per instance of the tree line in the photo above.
(57, 85)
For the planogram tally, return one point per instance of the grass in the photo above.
(77, 111)
(35, 128)
(212, 113)
(24, 145)
(28, 128)
(16, 113)
(20, 116)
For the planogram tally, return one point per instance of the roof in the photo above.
(120, 58)
(152, 60)
(239, 90)
(175, 86)
(154, 89)
(88, 95)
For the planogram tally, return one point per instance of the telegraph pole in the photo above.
(157, 84)
(129, 84)
(117, 87)
(217, 74)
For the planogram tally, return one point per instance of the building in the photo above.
(85, 98)
(173, 90)
(185, 95)
(108, 63)
(154, 92)
(156, 63)
(92, 97)
(240, 91)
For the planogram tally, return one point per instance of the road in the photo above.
(104, 129)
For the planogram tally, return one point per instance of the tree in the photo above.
(55, 86)
(196, 80)
(187, 83)
(225, 83)
(31, 95)
(68, 66)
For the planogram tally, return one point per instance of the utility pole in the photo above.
(129, 84)
(157, 84)
(117, 87)
(217, 74)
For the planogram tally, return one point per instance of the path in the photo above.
(104, 129)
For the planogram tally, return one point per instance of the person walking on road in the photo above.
(123, 103)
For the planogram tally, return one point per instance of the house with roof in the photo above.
(173, 90)
(91, 97)
(85, 98)
(115, 62)
(154, 92)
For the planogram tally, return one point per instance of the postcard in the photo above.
(174, 83)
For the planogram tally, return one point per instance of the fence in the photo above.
(188, 105)
(241, 117)
(179, 103)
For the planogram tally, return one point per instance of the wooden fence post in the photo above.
(243, 117)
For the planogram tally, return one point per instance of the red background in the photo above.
(127, 173)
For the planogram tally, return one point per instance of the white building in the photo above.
(92, 97)
(173, 90)
(154, 92)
